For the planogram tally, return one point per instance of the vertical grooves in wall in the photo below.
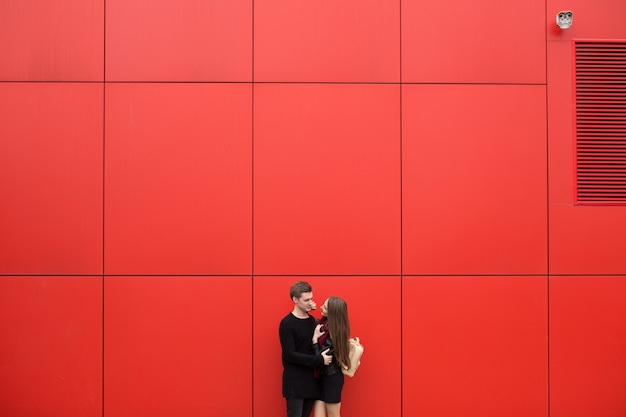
(401, 213)
(547, 123)
(252, 215)
(104, 69)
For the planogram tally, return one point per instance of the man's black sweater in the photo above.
(298, 357)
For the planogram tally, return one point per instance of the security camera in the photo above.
(564, 19)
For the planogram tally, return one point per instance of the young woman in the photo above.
(332, 332)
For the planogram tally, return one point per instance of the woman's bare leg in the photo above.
(333, 409)
(319, 409)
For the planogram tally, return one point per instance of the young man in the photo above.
(300, 387)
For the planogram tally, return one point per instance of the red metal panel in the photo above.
(348, 40)
(592, 19)
(583, 239)
(175, 346)
(374, 311)
(327, 176)
(587, 345)
(51, 350)
(561, 134)
(51, 178)
(488, 41)
(179, 40)
(475, 346)
(178, 179)
(474, 179)
(587, 240)
(42, 40)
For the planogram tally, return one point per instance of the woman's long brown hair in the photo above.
(339, 328)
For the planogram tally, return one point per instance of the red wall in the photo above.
(168, 168)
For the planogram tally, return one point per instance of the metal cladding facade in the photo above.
(168, 168)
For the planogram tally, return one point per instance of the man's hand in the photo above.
(327, 358)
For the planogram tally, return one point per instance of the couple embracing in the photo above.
(314, 353)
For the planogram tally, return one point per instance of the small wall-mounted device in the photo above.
(564, 19)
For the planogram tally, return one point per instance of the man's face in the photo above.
(305, 303)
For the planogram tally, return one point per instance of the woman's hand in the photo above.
(317, 333)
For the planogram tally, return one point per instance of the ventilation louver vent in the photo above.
(601, 122)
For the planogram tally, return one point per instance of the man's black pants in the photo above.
(299, 407)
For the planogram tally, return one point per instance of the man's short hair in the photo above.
(298, 288)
